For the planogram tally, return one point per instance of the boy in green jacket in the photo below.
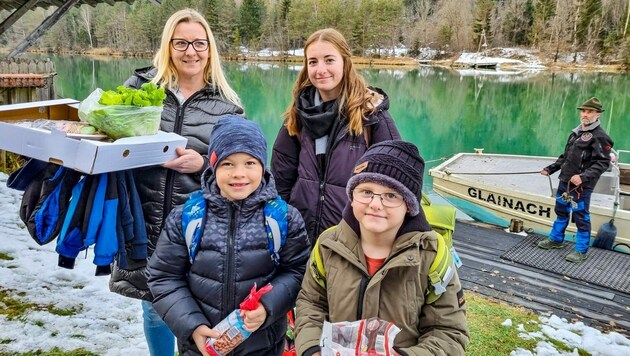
(376, 262)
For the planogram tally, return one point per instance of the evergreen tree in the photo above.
(211, 12)
(250, 21)
(145, 35)
(544, 11)
(285, 6)
(275, 33)
(376, 24)
(588, 23)
(518, 21)
(302, 20)
(481, 24)
(220, 15)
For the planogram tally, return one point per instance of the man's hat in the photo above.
(592, 104)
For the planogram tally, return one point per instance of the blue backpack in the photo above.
(194, 218)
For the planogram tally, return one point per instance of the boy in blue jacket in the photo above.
(233, 252)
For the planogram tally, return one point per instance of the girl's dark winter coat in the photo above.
(320, 195)
(233, 255)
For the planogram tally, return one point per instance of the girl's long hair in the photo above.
(354, 97)
(213, 73)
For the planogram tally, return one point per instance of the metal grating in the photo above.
(605, 268)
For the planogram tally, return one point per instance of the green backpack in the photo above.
(442, 221)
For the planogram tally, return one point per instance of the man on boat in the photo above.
(586, 157)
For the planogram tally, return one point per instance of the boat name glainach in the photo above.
(511, 203)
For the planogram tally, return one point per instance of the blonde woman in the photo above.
(188, 66)
(332, 119)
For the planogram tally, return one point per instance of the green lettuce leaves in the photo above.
(125, 112)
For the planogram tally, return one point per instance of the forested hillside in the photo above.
(598, 29)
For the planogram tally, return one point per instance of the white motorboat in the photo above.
(497, 188)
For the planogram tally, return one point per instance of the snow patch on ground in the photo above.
(574, 335)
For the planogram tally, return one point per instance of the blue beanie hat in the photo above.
(235, 134)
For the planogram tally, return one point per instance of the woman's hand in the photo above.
(188, 161)
(201, 334)
(253, 319)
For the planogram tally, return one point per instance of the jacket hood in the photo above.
(146, 73)
(380, 101)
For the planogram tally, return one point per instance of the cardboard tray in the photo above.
(84, 155)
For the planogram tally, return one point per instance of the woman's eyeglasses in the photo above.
(180, 44)
(389, 200)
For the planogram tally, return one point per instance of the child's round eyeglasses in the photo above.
(389, 200)
(180, 44)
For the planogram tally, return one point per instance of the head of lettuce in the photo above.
(124, 112)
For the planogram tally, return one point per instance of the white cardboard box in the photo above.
(87, 156)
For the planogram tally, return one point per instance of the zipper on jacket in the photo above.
(229, 282)
(170, 179)
(365, 280)
(322, 185)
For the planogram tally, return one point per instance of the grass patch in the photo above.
(10, 161)
(6, 257)
(562, 347)
(487, 335)
(63, 312)
(53, 352)
(15, 308)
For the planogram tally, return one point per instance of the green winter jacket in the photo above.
(395, 293)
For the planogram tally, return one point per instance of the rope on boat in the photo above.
(437, 160)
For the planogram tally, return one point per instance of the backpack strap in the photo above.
(441, 271)
(442, 220)
(276, 224)
(318, 271)
(193, 221)
(194, 216)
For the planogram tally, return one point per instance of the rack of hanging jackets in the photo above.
(102, 210)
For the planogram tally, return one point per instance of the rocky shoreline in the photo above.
(505, 58)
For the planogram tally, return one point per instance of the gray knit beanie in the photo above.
(235, 134)
(394, 164)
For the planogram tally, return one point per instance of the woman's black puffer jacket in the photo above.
(162, 189)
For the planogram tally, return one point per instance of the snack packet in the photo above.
(232, 328)
(366, 337)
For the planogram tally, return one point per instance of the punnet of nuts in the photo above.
(232, 328)
(232, 334)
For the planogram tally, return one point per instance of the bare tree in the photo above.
(85, 13)
(456, 16)
(423, 25)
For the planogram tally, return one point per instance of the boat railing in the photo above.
(618, 154)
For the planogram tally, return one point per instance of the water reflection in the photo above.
(442, 110)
